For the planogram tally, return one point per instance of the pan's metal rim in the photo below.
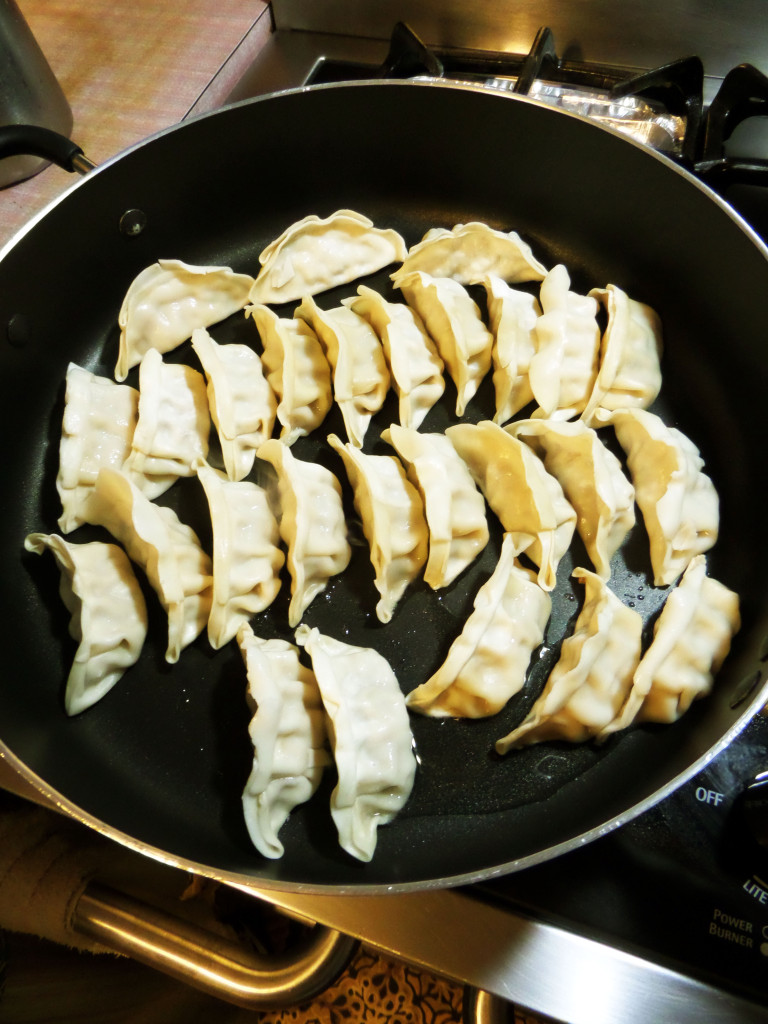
(251, 883)
(51, 797)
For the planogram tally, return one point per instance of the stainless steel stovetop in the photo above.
(665, 919)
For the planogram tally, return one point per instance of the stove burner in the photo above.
(662, 107)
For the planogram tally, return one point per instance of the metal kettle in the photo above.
(29, 91)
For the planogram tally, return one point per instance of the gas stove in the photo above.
(666, 918)
(692, 86)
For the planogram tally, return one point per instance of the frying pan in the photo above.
(160, 762)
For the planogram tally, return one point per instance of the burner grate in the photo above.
(742, 96)
(662, 108)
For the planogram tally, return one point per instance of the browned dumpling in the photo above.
(488, 661)
(590, 682)
(679, 503)
(528, 500)
(691, 639)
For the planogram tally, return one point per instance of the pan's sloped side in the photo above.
(164, 758)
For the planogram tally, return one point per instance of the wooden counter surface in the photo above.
(130, 68)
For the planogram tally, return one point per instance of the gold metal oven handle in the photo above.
(209, 962)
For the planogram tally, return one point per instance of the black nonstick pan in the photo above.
(161, 761)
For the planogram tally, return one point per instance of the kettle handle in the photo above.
(32, 140)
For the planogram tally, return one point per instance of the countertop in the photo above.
(130, 68)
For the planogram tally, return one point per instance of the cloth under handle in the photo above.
(32, 140)
(49, 868)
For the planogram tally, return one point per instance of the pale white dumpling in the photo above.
(108, 614)
(297, 370)
(288, 734)
(173, 426)
(247, 557)
(592, 479)
(528, 500)
(678, 501)
(453, 321)
(630, 370)
(97, 430)
(360, 375)
(316, 254)
(563, 369)
(453, 506)
(488, 661)
(512, 317)
(370, 734)
(392, 515)
(168, 300)
(590, 682)
(312, 524)
(468, 251)
(241, 402)
(414, 365)
(691, 639)
(167, 550)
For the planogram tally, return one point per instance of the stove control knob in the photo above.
(754, 804)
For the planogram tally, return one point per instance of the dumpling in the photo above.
(297, 371)
(288, 734)
(168, 300)
(370, 734)
(468, 251)
(316, 254)
(453, 506)
(97, 430)
(488, 661)
(512, 316)
(312, 524)
(453, 321)
(590, 682)
(528, 500)
(678, 501)
(173, 426)
(392, 516)
(691, 639)
(108, 614)
(414, 365)
(630, 370)
(592, 479)
(563, 369)
(360, 375)
(241, 402)
(247, 557)
(167, 550)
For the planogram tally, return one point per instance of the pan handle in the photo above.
(49, 887)
(210, 962)
(32, 140)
